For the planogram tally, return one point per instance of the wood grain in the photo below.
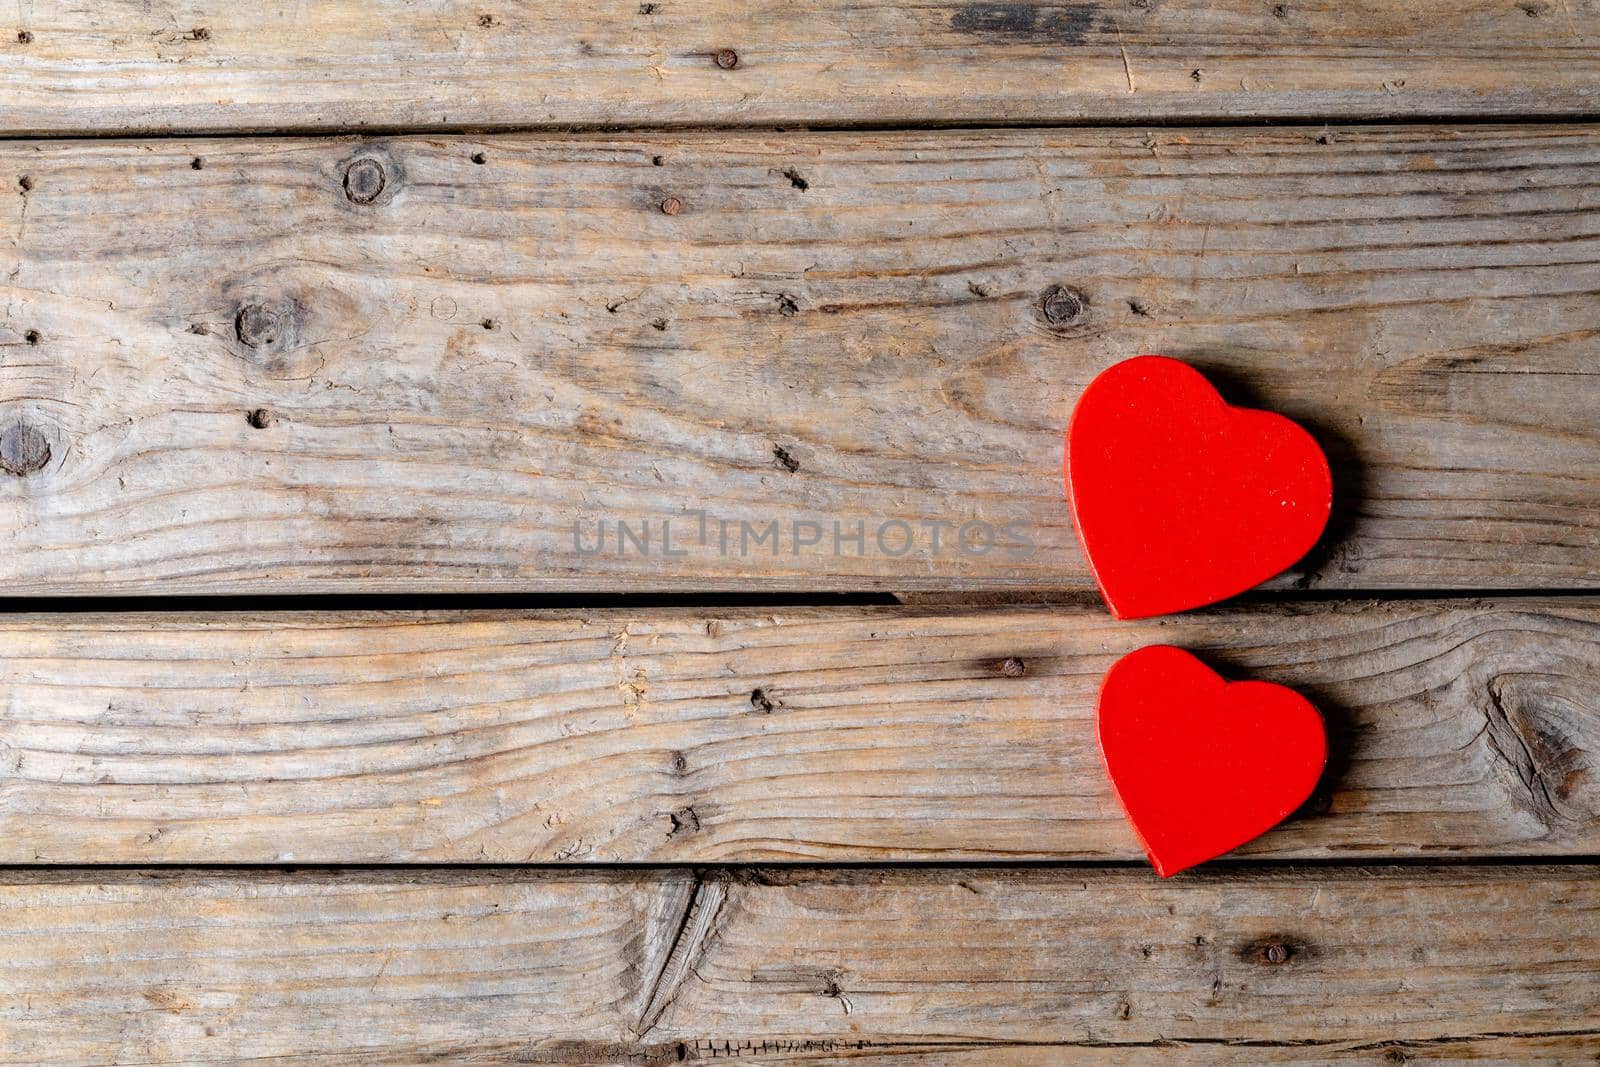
(203, 65)
(656, 967)
(855, 734)
(381, 365)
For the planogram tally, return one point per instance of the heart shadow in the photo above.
(1339, 721)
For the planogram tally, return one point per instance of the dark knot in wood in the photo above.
(24, 449)
(364, 181)
(1063, 306)
(261, 325)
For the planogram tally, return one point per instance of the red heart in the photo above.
(1202, 765)
(1181, 499)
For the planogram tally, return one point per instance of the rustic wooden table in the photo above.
(474, 377)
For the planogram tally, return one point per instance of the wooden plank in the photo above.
(162, 65)
(846, 363)
(781, 967)
(1466, 729)
(1554, 1050)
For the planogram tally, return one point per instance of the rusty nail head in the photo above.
(671, 206)
(727, 59)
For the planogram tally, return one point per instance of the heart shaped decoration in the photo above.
(1181, 499)
(1199, 764)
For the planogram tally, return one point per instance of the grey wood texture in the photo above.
(126, 66)
(383, 366)
(662, 967)
(1457, 728)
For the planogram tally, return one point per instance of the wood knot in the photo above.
(262, 326)
(684, 821)
(1275, 950)
(1063, 306)
(1013, 667)
(24, 449)
(364, 181)
(727, 58)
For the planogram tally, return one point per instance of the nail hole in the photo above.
(32, 337)
(727, 59)
(197, 163)
(25, 183)
(200, 33)
(658, 161)
(479, 158)
(260, 418)
(485, 21)
(24, 36)
(489, 324)
(761, 702)
(795, 179)
(1013, 667)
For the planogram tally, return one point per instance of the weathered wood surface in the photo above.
(160, 65)
(856, 734)
(1556, 1050)
(360, 365)
(778, 967)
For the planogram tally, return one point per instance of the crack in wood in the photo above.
(688, 944)
(705, 1049)
(1507, 733)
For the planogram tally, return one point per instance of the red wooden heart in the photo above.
(1181, 499)
(1202, 765)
